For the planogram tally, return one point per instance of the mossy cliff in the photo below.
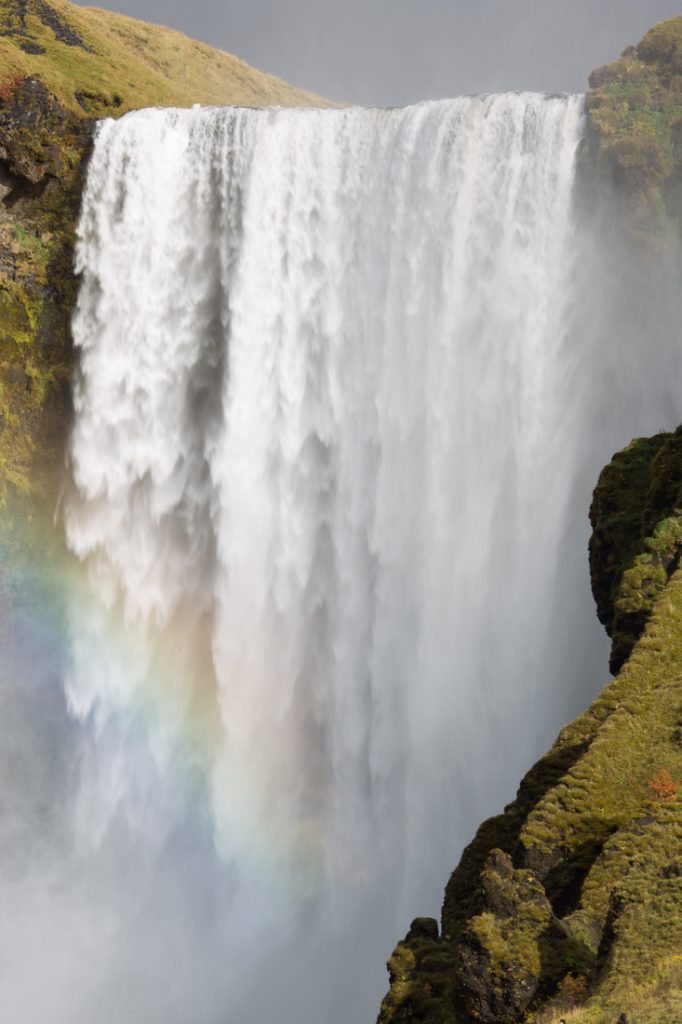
(570, 902)
(634, 136)
(568, 905)
(61, 67)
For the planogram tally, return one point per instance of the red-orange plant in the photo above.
(664, 786)
(7, 89)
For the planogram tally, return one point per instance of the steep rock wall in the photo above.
(571, 900)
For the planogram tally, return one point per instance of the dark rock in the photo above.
(636, 545)
(33, 48)
(423, 928)
(64, 32)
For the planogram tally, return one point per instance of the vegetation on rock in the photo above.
(571, 900)
(634, 110)
(42, 148)
(636, 542)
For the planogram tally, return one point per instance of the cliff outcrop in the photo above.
(634, 136)
(571, 900)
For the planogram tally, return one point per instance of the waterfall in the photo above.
(331, 465)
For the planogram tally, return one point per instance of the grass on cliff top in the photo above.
(116, 63)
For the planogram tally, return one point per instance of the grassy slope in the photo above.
(123, 64)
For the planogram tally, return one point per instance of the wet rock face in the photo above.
(43, 151)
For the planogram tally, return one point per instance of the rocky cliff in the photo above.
(634, 137)
(568, 905)
(61, 67)
(571, 900)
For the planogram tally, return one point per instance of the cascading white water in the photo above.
(320, 356)
(332, 436)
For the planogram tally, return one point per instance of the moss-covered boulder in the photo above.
(499, 957)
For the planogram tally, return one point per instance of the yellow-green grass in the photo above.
(642, 707)
(655, 1001)
(124, 64)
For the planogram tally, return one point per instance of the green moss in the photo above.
(421, 971)
(634, 112)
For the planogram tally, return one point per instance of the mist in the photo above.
(394, 52)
